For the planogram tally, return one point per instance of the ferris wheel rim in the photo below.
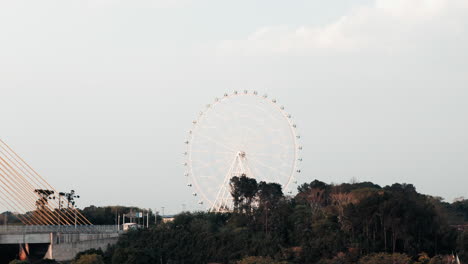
(209, 107)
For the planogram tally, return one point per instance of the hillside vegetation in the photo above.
(328, 224)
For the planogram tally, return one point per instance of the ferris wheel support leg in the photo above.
(240, 166)
(215, 207)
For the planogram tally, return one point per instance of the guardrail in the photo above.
(59, 229)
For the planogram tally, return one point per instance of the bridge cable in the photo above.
(68, 218)
(22, 181)
(23, 193)
(80, 218)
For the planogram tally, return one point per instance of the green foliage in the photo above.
(259, 260)
(439, 259)
(462, 246)
(89, 252)
(108, 215)
(89, 259)
(9, 218)
(19, 262)
(423, 258)
(341, 258)
(461, 207)
(329, 224)
(384, 258)
(243, 191)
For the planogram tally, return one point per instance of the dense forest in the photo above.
(327, 224)
(348, 223)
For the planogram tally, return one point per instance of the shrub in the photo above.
(384, 258)
(259, 260)
(89, 259)
(19, 262)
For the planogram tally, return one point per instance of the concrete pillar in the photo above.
(23, 251)
(49, 254)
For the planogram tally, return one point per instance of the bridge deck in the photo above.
(62, 242)
(59, 229)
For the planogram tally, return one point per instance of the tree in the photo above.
(269, 195)
(259, 260)
(339, 224)
(461, 207)
(447, 259)
(341, 200)
(89, 252)
(19, 262)
(384, 258)
(463, 246)
(89, 259)
(423, 258)
(315, 194)
(243, 191)
(108, 215)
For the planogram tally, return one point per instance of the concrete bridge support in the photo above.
(23, 251)
(56, 245)
(68, 245)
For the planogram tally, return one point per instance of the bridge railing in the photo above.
(59, 229)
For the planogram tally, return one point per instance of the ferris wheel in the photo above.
(242, 133)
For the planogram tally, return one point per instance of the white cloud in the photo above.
(386, 25)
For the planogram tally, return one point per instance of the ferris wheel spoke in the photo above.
(208, 177)
(257, 174)
(206, 165)
(265, 111)
(269, 167)
(254, 133)
(242, 141)
(211, 152)
(264, 176)
(263, 155)
(197, 160)
(217, 142)
(219, 116)
(283, 145)
(250, 116)
(249, 170)
(208, 127)
(209, 121)
(261, 176)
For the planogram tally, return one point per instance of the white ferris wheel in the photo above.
(242, 133)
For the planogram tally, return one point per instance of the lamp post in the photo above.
(60, 207)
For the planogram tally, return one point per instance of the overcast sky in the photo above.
(98, 95)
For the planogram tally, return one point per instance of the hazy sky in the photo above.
(98, 95)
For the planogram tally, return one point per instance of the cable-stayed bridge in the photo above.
(51, 226)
